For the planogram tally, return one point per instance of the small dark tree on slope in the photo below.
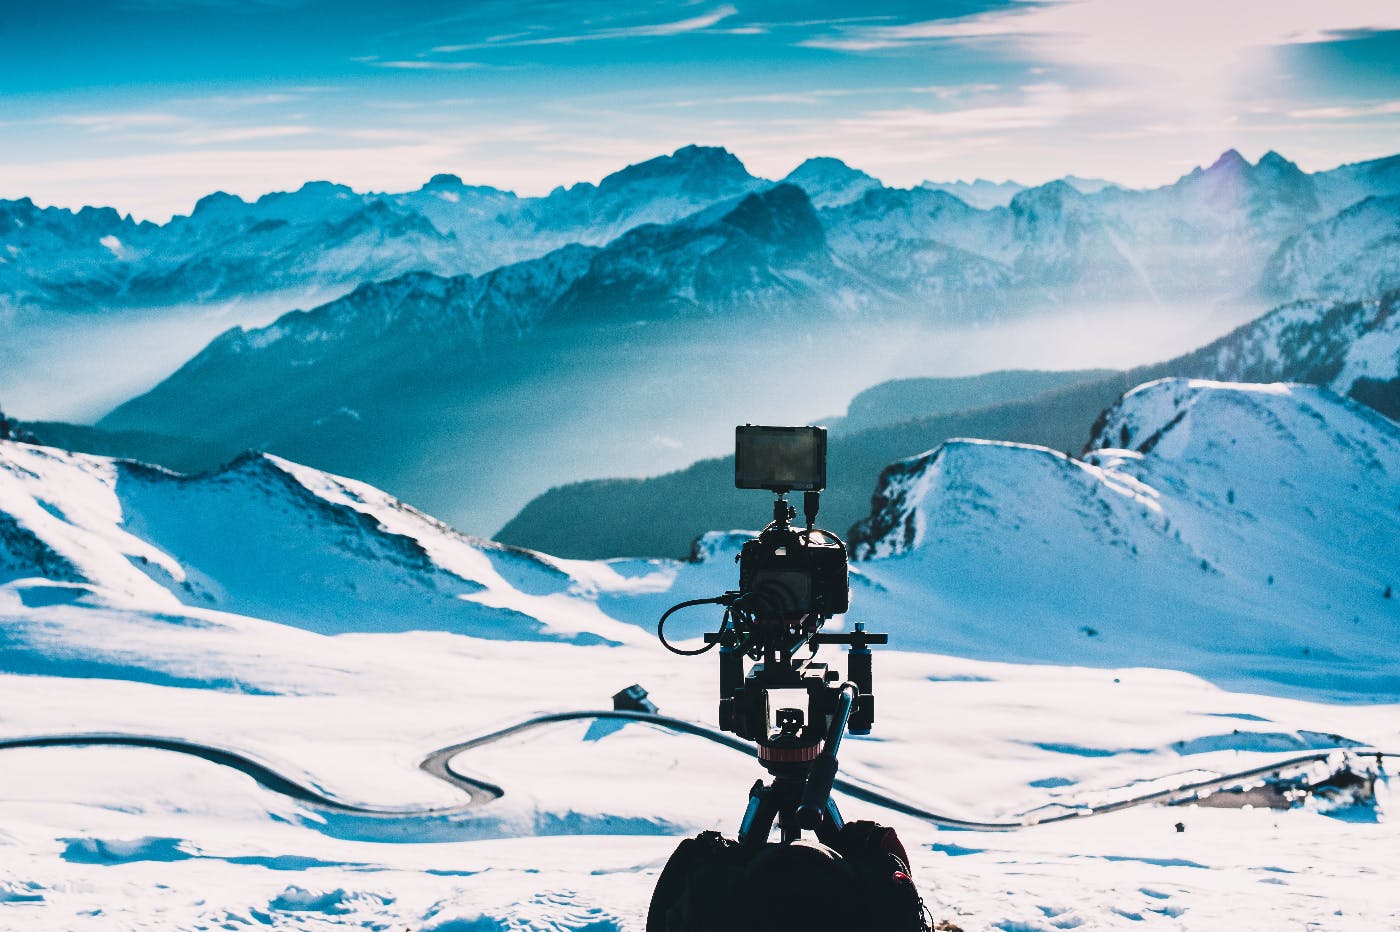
(11, 430)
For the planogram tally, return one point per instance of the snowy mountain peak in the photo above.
(443, 180)
(1274, 160)
(1230, 161)
(909, 491)
(1054, 196)
(981, 193)
(21, 205)
(1286, 179)
(693, 168)
(311, 197)
(1089, 185)
(321, 189)
(1273, 184)
(830, 182)
(1231, 425)
(824, 166)
(1066, 240)
(782, 215)
(1227, 453)
(219, 201)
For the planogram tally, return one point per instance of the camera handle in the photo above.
(816, 795)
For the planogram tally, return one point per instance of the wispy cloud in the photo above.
(818, 96)
(800, 98)
(172, 129)
(422, 64)
(118, 122)
(415, 106)
(1200, 35)
(242, 134)
(1346, 113)
(244, 100)
(1040, 105)
(766, 28)
(640, 31)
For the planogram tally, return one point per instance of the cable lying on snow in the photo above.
(1345, 775)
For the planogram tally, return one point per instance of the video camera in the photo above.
(791, 581)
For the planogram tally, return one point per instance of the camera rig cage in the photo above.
(792, 580)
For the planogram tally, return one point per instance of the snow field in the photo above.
(1056, 643)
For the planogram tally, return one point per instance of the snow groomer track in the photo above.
(439, 763)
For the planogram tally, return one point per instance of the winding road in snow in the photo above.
(479, 792)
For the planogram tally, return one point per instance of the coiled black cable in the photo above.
(661, 625)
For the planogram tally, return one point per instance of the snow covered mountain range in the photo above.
(652, 301)
(697, 306)
(326, 238)
(1244, 497)
(1211, 588)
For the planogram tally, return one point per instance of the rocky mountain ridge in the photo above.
(324, 238)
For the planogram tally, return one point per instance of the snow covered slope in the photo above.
(1235, 531)
(266, 538)
(1350, 347)
(1351, 255)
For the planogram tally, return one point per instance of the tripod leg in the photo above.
(788, 827)
(759, 816)
(785, 793)
(831, 824)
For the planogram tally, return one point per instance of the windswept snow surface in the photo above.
(1204, 593)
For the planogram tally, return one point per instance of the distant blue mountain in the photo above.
(324, 239)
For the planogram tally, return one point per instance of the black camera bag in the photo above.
(885, 883)
(861, 882)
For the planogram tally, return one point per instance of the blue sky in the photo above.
(148, 104)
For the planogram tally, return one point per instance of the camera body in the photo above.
(788, 572)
